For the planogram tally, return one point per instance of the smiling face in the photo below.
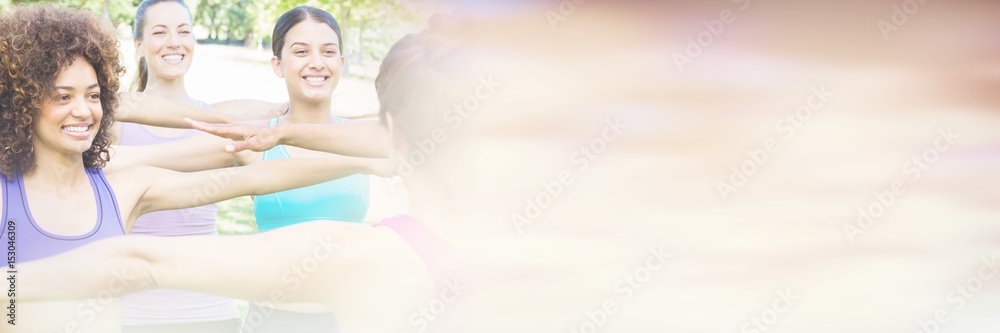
(167, 43)
(71, 116)
(310, 62)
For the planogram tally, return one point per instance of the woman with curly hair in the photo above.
(59, 71)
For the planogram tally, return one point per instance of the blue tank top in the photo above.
(33, 243)
(344, 199)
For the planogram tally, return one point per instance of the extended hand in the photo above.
(245, 136)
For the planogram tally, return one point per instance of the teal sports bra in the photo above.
(345, 199)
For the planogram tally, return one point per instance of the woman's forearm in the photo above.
(175, 190)
(359, 138)
(105, 268)
(146, 109)
(245, 267)
(196, 153)
(271, 176)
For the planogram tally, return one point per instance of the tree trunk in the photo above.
(106, 9)
(213, 30)
(361, 44)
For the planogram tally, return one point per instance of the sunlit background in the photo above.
(721, 166)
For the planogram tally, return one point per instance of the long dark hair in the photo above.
(295, 16)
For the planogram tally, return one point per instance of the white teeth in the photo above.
(173, 57)
(315, 79)
(76, 129)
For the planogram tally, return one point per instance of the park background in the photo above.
(701, 86)
(232, 61)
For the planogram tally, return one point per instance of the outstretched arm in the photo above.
(164, 189)
(363, 138)
(196, 153)
(147, 109)
(246, 267)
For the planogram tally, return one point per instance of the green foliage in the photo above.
(206, 15)
(120, 12)
(368, 25)
(236, 217)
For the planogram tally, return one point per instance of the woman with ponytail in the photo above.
(165, 45)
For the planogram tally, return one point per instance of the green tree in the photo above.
(239, 21)
(229, 21)
(118, 12)
(368, 26)
(207, 14)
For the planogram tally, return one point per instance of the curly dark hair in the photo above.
(36, 43)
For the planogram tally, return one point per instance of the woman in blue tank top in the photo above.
(60, 190)
(308, 49)
(344, 199)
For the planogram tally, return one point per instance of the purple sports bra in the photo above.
(33, 243)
